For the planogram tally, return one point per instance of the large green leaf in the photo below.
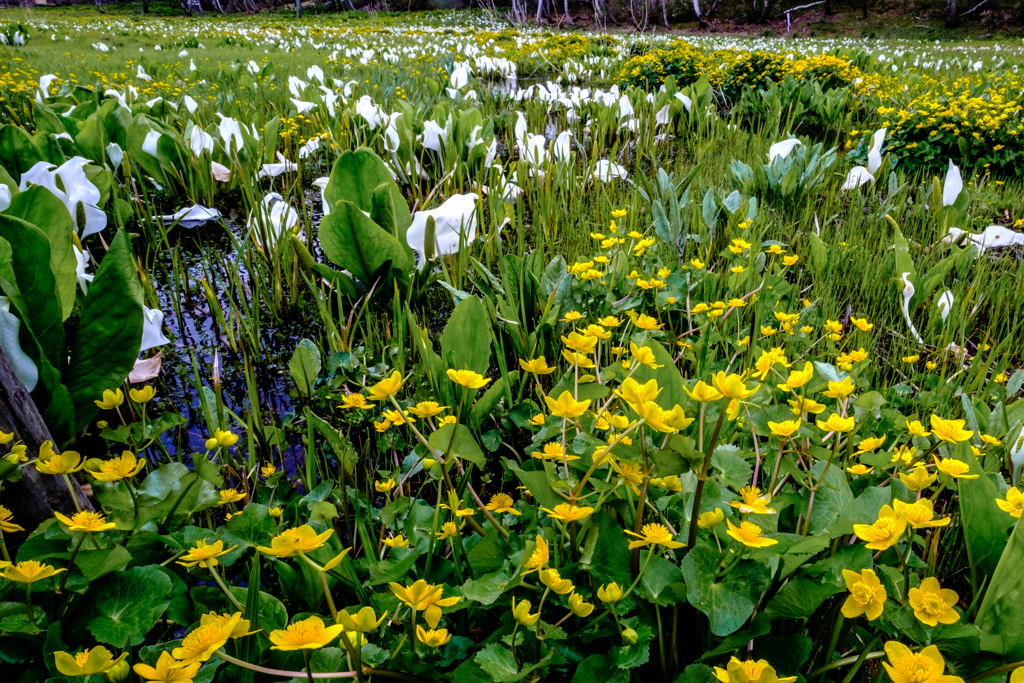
(983, 522)
(729, 602)
(354, 242)
(110, 332)
(128, 604)
(18, 151)
(1002, 610)
(466, 341)
(669, 379)
(458, 441)
(356, 176)
(38, 206)
(37, 285)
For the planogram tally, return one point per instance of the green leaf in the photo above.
(486, 404)
(466, 341)
(454, 439)
(354, 242)
(37, 286)
(659, 576)
(1002, 610)
(832, 497)
(497, 660)
(799, 598)
(697, 673)
(110, 331)
(18, 151)
(304, 366)
(96, 563)
(787, 654)
(535, 478)
(984, 524)
(356, 176)
(729, 602)
(668, 377)
(607, 557)
(600, 669)
(252, 527)
(38, 206)
(489, 587)
(128, 604)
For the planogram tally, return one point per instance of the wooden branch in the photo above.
(35, 497)
(975, 8)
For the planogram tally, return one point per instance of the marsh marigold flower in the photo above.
(432, 638)
(1013, 503)
(468, 378)
(926, 666)
(424, 597)
(537, 366)
(502, 502)
(950, 430)
(711, 519)
(290, 542)
(205, 554)
(386, 387)
(885, 532)
(202, 642)
(566, 406)
(308, 634)
(867, 594)
(539, 558)
(111, 399)
(750, 671)
(565, 512)
(954, 468)
(732, 386)
(6, 521)
(653, 534)
(933, 604)
(50, 462)
(88, 662)
(85, 521)
(753, 502)
(168, 670)
(580, 607)
(749, 534)
(521, 613)
(29, 571)
(123, 467)
(610, 593)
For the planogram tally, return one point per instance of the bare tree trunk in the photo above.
(664, 13)
(540, 8)
(34, 497)
(864, 12)
(700, 15)
(298, 8)
(828, 8)
(568, 18)
(951, 18)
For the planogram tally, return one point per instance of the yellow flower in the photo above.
(538, 420)
(840, 390)
(538, 558)
(580, 343)
(749, 534)
(204, 641)
(954, 468)
(753, 503)
(384, 486)
(355, 401)
(619, 213)
(229, 496)
(785, 428)
(775, 356)
(635, 393)
(111, 399)
(398, 541)
(578, 606)
(917, 429)
(29, 571)
(675, 419)
(52, 463)
(386, 387)
(308, 634)
(950, 430)
(911, 359)
(537, 366)
(299, 540)
(580, 360)
(364, 621)
(861, 324)
(609, 321)
(643, 355)
(552, 579)
(610, 593)
(702, 392)
(919, 479)
(275, 512)
(926, 666)
(1013, 503)
(750, 671)
(455, 506)
(424, 597)
(933, 604)
(867, 594)
(653, 534)
(989, 439)
(732, 386)
(88, 522)
(143, 395)
(869, 445)
(521, 613)
(572, 316)
(88, 662)
(920, 514)
(630, 636)
(566, 406)
(205, 554)
(697, 263)
(885, 532)
(502, 502)
(835, 423)
(798, 378)
(645, 322)
(859, 469)
(432, 638)
(115, 469)
(221, 438)
(467, 378)
(448, 529)
(564, 512)
(711, 519)
(427, 409)
(803, 405)
(5, 521)
(790, 260)
(168, 670)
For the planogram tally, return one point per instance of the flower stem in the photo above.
(71, 490)
(698, 492)
(28, 603)
(227, 591)
(280, 672)
(309, 669)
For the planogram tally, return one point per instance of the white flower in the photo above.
(5, 197)
(315, 72)
(373, 114)
(322, 184)
(199, 140)
(663, 116)
(994, 236)
(44, 87)
(81, 263)
(190, 104)
(220, 172)
(312, 145)
(302, 107)
(150, 143)
(459, 77)
(953, 184)
(152, 329)
(875, 153)
(535, 149)
(520, 129)
(606, 171)
(192, 216)
(782, 149)
(230, 132)
(77, 188)
(141, 73)
(434, 137)
(274, 170)
(857, 176)
(562, 146)
(685, 100)
(454, 222)
(945, 304)
(908, 294)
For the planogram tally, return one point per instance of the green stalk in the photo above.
(698, 492)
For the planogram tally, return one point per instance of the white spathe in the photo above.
(687, 102)
(198, 140)
(908, 294)
(370, 111)
(782, 149)
(116, 154)
(5, 197)
(944, 304)
(77, 188)
(434, 137)
(534, 150)
(875, 153)
(81, 264)
(150, 143)
(274, 170)
(993, 237)
(152, 329)
(562, 146)
(606, 171)
(230, 132)
(953, 184)
(454, 222)
(220, 172)
(322, 184)
(192, 216)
